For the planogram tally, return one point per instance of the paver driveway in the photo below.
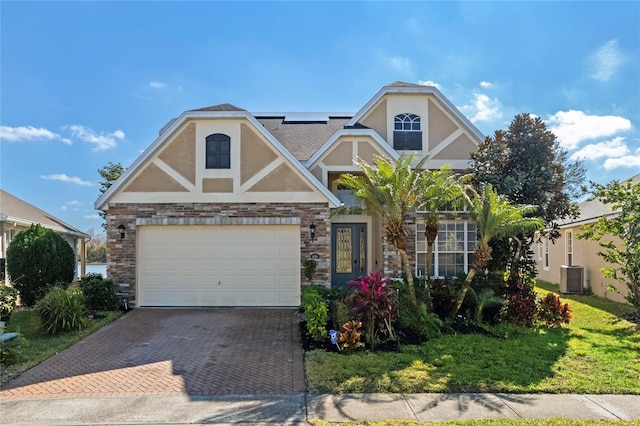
(176, 352)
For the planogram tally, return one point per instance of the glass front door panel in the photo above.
(344, 246)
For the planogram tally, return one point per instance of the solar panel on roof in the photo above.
(306, 117)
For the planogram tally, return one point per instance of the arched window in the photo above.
(218, 154)
(407, 133)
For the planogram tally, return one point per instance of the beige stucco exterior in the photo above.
(376, 119)
(585, 253)
(279, 174)
(258, 173)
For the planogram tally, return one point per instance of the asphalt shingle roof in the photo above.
(13, 208)
(221, 107)
(302, 139)
(593, 209)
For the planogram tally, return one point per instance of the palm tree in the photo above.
(495, 216)
(390, 191)
(440, 188)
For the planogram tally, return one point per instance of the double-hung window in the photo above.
(407, 132)
(453, 248)
(218, 151)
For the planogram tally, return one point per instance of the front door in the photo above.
(348, 252)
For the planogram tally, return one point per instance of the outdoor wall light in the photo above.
(312, 232)
(121, 228)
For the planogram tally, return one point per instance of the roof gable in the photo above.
(177, 181)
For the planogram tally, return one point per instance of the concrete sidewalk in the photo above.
(300, 408)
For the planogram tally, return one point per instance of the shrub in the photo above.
(310, 267)
(37, 258)
(350, 337)
(484, 299)
(315, 311)
(338, 313)
(522, 306)
(99, 294)
(423, 324)
(61, 310)
(553, 312)
(10, 353)
(8, 297)
(374, 301)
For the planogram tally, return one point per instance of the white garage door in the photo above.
(247, 265)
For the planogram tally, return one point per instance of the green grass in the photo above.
(597, 353)
(35, 345)
(489, 422)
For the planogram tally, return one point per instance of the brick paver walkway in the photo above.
(175, 352)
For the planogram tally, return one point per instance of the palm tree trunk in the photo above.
(404, 259)
(463, 292)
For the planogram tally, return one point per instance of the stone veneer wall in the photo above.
(391, 257)
(121, 253)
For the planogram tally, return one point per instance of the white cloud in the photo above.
(91, 216)
(631, 161)
(400, 63)
(615, 148)
(101, 141)
(572, 127)
(73, 205)
(64, 178)
(430, 83)
(29, 133)
(486, 84)
(605, 62)
(483, 108)
(157, 85)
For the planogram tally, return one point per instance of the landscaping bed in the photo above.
(598, 352)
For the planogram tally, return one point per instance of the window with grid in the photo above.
(218, 155)
(407, 132)
(546, 253)
(569, 248)
(452, 251)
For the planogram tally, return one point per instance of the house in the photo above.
(569, 250)
(17, 215)
(225, 205)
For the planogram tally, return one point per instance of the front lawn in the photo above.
(35, 345)
(597, 353)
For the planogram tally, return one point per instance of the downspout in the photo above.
(83, 257)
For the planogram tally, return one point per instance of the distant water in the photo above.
(95, 268)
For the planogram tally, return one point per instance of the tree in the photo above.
(624, 224)
(527, 165)
(110, 173)
(440, 188)
(38, 258)
(495, 217)
(390, 191)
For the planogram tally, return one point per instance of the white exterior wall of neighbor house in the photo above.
(585, 254)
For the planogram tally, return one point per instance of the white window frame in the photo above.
(569, 248)
(468, 244)
(546, 254)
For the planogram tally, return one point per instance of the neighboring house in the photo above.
(17, 215)
(569, 250)
(225, 205)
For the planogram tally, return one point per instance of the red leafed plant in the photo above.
(350, 337)
(374, 301)
(553, 312)
(522, 306)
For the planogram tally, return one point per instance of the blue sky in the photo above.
(86, 83)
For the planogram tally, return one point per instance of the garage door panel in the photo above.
(219, 265)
